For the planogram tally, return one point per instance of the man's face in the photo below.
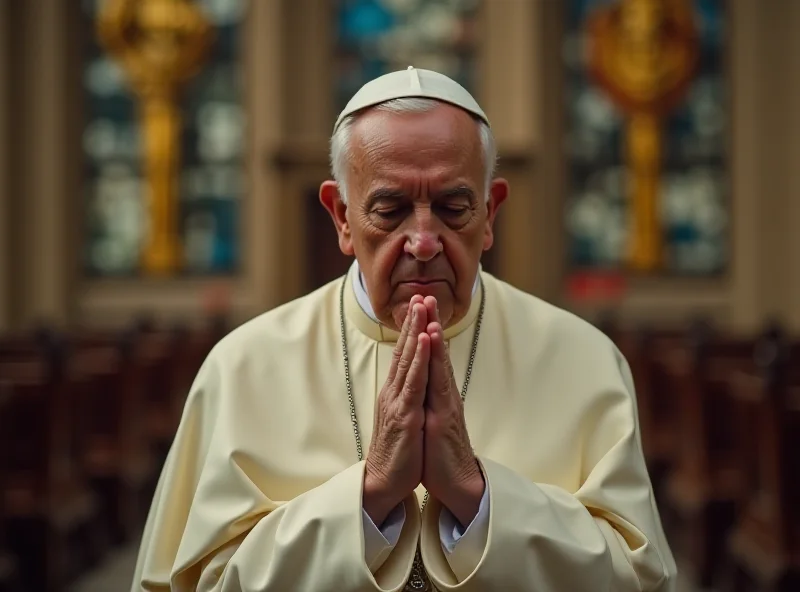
(416, 219)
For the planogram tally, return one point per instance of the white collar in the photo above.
(360, 288)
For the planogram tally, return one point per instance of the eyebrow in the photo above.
(459, 191)
(384, 194)
(396, 195)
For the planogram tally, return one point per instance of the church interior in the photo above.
(160, 162)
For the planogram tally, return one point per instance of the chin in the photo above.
(398, 317)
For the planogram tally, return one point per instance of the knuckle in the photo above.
(403, 364)
(410, 391)
(380, 405)
(388, 422)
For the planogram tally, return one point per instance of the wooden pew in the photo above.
(114, 451)
(48, 512)
(646, 349)
(158, 352)
(169, 361)
(86, 420)
(706, 480)
(9, 570)
(10, 579)
(133, 390)
(765, 544)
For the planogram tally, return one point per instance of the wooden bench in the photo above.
(646, 350)
(765, 544)
(85, 421)
(706, 480)
(10, 579)
(9, 570)
(114, 450)
(49, 515)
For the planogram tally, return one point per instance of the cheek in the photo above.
(464, 249)
(385, 256)
(382, 251)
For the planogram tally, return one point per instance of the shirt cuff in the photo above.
(379, 543)
(451, 531)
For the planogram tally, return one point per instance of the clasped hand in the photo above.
(420, 435)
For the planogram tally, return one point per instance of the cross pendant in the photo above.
(418, 581)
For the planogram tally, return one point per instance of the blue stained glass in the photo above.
(694, 205)
(211, 158)
(364, 19)
(711, 23)
(380, 36)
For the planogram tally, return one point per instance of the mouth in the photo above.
(421, 282)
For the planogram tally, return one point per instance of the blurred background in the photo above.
(159, 168)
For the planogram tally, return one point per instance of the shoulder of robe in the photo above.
(553, 327)
(238, 363)
(276, 331)
(593, 377)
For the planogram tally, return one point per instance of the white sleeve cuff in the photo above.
(379, 543)
(451, 532)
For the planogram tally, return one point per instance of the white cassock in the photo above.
(262, 487)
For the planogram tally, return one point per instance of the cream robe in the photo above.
(262, 489)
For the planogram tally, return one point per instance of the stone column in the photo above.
(746, 55)
(766, 152)
(45, 193)
(298, 161)
(510, 91)
(261, 222)
(6, 285)
(792, 193)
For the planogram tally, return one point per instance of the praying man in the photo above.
(417, 424)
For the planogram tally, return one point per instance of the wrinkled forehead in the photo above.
(439, 146)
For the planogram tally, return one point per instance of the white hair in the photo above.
(341, 151)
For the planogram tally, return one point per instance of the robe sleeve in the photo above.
(211, 528)
(604, 537)
(379, 542)
(464, 547)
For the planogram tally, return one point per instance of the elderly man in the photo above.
(417, 424)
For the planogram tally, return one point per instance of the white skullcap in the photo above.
(411, 83)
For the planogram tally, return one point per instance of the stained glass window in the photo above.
(692, 205)
(380, 36)
(212, 174)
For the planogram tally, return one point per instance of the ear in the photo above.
(331, 200)
(498, 192)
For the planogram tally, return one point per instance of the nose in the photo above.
(422, 239)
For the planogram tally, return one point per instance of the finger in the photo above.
(416, 383)
(438, 352)
(440, 379)
(418, 323)
(433, 309)
(401, 340)
(417, 299)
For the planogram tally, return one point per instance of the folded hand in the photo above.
(451, 472)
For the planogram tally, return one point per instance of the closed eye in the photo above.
(453, 210)
(388, 213)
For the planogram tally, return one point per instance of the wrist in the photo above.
(377, 501)
(464, 499)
